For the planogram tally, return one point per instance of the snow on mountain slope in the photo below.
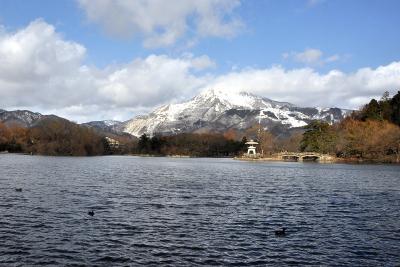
(103, 125)
(107, 127)
(24, 118)
(216, 111)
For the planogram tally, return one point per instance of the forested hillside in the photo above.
(372, 134)
(51, 137)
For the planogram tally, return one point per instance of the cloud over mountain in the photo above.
(42, 71)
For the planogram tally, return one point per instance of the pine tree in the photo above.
(395, 104)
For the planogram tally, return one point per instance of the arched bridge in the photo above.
(304, 156)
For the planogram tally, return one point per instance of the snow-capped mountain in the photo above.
(102, 124)
(106, 126)
(26, 118)
(23, 118)
(217, 111)
(211, 111)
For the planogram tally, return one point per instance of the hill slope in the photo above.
(216, 111)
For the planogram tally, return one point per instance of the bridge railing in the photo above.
(299, 154)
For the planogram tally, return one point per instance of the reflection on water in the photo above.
(162, 211)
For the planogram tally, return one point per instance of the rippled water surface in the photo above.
(189, 212)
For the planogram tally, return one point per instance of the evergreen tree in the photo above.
(143, 144)
(395, 105)
(318, 137)
(372, 111)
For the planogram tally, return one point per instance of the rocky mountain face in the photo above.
(27, 119)
(23, 118)
(213, 111)
(217, 111)
(105, 126)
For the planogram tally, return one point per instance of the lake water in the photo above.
(196, 212)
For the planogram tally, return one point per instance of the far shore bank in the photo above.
(331, 160)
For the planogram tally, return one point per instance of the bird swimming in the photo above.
(18, 189)
(91, 213)
(280, 232)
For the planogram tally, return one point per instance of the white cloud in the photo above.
(151, 81)
(41, 71)
(36, 52)
(162, 23)
(307, 87)
(201, 62)
(310, 56)
(36, 64)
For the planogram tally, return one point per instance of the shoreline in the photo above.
(333, 160)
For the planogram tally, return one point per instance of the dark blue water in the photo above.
(196, 212)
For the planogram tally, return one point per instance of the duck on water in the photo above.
(281, 232)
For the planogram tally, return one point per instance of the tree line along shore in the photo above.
(370, 134)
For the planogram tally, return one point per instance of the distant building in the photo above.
(112, 143)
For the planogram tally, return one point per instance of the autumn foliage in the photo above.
(51, 137)
(374, 140)
(372, 134)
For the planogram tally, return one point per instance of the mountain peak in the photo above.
(24, 118)
(240, 99)
(217, 110)
(230, 99)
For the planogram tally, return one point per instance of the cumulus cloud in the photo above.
(36, 64)
(35, 53)
(307, 87)
(151, 81)
(162, 23)
(310, 56)
(41, 71)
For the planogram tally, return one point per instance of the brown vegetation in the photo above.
(371, 134)
(372, 140)
(51, 137)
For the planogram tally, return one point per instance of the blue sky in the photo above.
(308, 41)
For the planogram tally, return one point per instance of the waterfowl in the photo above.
(280, 232)
(18, 189)
(91, 213)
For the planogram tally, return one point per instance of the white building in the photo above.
(112, 143)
